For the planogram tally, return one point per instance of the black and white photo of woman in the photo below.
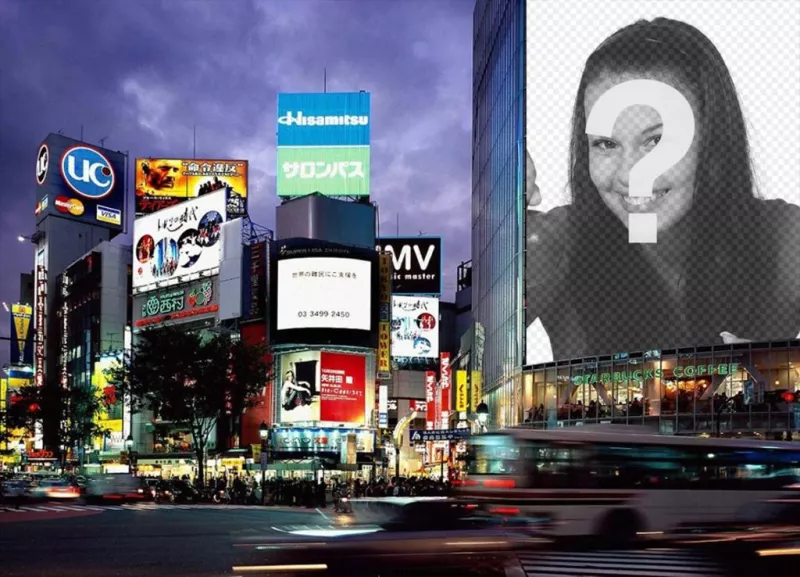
(726, 266)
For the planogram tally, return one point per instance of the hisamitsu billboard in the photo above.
(324, 119)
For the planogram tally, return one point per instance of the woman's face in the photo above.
(289, 376)
(636, 132)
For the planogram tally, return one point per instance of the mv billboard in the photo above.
(416, 264)
(323, 144)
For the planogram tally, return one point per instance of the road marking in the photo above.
(635, 563)
(324, 516)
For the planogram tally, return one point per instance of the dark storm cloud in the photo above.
(143, 73)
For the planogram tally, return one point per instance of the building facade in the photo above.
(498, 200)
(746, 388)
(92, 332)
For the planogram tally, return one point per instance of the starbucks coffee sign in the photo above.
(194, 301)
(679, 372)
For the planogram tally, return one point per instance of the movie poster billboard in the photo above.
(178, 241)
(21, 352)
(165, 182)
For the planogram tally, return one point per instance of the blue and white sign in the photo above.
(324, 119)
(88, 172)
(85, 183)
(419, 436)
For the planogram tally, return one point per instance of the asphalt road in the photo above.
(70, 540)
(141, 541)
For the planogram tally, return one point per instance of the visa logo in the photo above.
(109, 215)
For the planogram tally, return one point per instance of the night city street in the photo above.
(66, 540)
(139, 539)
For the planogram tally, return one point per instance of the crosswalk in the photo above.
(64, 508)
(633, 563)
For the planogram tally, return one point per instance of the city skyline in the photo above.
(141, 85)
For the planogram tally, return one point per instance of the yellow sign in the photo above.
(256, 448)
(384, 347)
(21, 316)
(477, 389)
(462, 391)
(109, 416)
(385, 320)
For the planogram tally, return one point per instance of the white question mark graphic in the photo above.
(678, 123)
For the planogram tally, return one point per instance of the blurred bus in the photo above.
(623, 484)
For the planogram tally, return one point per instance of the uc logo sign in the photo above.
(87, 172)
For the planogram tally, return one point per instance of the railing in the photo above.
(687, 423)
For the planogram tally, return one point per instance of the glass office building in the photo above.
(498, 199)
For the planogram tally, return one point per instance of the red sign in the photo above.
(430, 400)
(342, 380)
(40, 455)
(261, 411)
(420, 406)
(177, 315)
(445, 379)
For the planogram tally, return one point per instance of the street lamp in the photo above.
(129, 448)
(482, 411)
(263, 432)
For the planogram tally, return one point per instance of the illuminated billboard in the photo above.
(323, 386)
(165, 182)
(194, 301)
(323, 294)
(416, 264)
(79, 181)
(324, 119)
(110, 415)
(332, 170)
(415, 327)
(178, 241)
(624, 254)
(323, 144)
(21, 334)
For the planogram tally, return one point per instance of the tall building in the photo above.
(94, 318)
(498, 199)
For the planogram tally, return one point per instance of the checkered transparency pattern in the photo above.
(759, 43)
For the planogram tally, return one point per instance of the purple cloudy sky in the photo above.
(142, 73)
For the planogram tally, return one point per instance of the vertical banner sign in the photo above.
(385, 316)
(462, 392)
(430, 399)
(445, 379)
(477, 389)
(64, 331)
(254, 298)
(383, 406)
(21, 351)
(41, 322)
